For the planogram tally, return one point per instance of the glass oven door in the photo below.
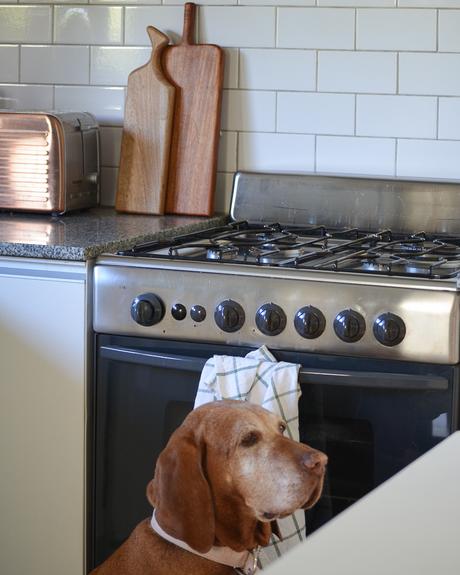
(371, 417)
(371, 425)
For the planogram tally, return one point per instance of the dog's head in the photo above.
(228, 472)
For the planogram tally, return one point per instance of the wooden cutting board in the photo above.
(146, 139)
(197, 72)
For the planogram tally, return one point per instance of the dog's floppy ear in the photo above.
(181, 494)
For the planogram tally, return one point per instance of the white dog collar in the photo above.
(242, 561)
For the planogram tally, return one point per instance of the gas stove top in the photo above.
(353, 267)
(314, 248)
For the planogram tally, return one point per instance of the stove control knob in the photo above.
(389, 329)
(309, 322)
(198, 313)
(349, 325)
(270, 319)
(147, 309)
(179, 311)
(229, 316)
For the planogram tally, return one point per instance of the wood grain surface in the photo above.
(146, 139)
(196, 70)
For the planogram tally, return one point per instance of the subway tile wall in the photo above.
(366, 87)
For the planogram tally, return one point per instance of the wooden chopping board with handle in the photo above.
(146, 139)
(196, 70)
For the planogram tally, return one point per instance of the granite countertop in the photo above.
(84, 235)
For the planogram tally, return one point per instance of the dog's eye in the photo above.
(250, 439)
(282, 427)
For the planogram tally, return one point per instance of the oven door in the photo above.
(371, 417)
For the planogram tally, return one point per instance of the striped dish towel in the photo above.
(260, 379)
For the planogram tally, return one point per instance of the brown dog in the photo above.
(225, 476)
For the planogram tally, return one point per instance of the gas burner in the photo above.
(258, 236)
(278, 256)
(221, 251)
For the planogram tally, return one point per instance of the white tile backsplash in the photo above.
(227, 152)
(107, 104)
(292, 153)
(278, 69)
(88, 24)
(429, 3)
(237, 26)
(357, 72)
(315, 113)
(372, 156)
(449, 119)
(316, 28)
(9, 63)
(449, 30)
(110, 146)
(428, 159)
(358, 3)
(232, 58)
(401, 116)
(108, 185)
(248, 111)
(50, 64)
(26, 97)
(350, 86)
(429, 74)
(25, 24)
(397, 29)
(223, 192)
(168, 19)
(111, 65)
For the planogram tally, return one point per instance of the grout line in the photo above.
(315, 154)
(316, 71)
(123, 26)
(437, 116)
(19, 63)
(437, 30)
(356, 115)
(90, 57)
(276, 112)
(395, 171)
(355, 34)
(275, 42)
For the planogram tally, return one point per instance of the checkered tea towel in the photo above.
(274, 385)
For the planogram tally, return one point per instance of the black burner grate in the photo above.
(314, 247)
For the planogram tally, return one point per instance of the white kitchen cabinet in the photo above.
(43, 375)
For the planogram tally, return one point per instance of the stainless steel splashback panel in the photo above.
(340, 201)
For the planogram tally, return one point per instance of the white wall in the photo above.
(355, 86)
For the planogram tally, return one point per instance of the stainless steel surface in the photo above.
(429, 308)
(49, 162)
(407, 206)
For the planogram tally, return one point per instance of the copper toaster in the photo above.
(49, 161)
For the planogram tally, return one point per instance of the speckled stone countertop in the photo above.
(87, 234)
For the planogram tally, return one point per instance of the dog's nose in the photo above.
(314, 461)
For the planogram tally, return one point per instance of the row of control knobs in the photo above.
(309, 322)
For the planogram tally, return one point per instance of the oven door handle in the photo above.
(363, 379)
(374, 380)
(164, 360)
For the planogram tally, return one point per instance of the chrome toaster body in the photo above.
(49, 161)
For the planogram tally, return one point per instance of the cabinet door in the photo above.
(42, 419)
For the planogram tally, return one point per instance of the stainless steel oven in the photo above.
(371, 417)
(370, 314)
